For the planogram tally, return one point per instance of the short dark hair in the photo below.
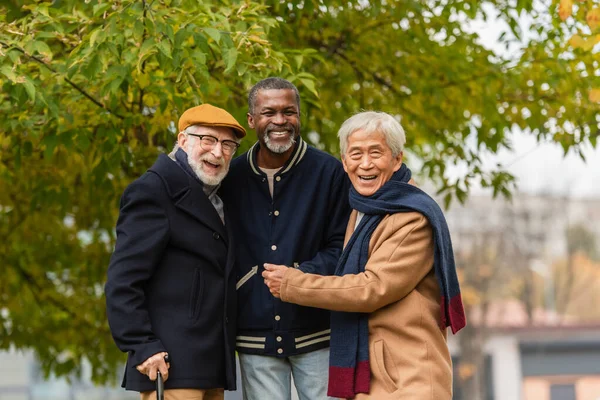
(271, 84)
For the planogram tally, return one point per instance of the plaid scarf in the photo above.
(349, 371)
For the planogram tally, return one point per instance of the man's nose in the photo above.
(217, 150)
(365, 162)
(279, 119)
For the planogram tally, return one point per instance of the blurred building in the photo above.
(542, 360)
(543, 350)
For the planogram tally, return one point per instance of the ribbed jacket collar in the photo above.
(294, 159)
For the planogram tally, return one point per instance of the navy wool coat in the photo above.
(170, 285)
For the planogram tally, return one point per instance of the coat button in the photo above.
(279, 351)
(273, 247)
(278, 178)
(276, 213)
(277, 318)
(279, 338)
(216, 236)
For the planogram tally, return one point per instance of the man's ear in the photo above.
(344, 163)
(182, 140)
(250, 120)
(398, 161)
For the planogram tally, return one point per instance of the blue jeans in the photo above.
(269, 378)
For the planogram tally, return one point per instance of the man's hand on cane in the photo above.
(158, 362)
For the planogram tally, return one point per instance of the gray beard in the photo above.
(279, 148)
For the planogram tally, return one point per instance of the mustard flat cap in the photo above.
(209, 115)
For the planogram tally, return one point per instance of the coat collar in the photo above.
(187, 194)
(295, 158)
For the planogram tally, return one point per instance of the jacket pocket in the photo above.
(380, 352)
(246, 277)
(196, 294)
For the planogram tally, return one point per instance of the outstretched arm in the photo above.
(403, 256)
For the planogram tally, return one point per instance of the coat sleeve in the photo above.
(403, 256)
(142, 235)
(338, 208)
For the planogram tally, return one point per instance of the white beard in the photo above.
(211, 180)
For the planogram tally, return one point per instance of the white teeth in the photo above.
(368, 178)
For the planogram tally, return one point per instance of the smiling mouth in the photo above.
(279, 134)
(211, 165)
(367, 177)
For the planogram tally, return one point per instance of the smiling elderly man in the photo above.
(299, 209)
(396, 288)
(170, 284)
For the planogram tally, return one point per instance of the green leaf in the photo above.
(230, 59)
(42, 48)
(241, 68)
(199, 57)
(213, 33)
(299, 58)
(447, 200)
(100, 8)
(93, 67)
(165, 48)
(147, 50)
(310, 85)
(138, 31)
(8, 72)
(180, 36)
(147, 47)
(29, 88)
(97, 36)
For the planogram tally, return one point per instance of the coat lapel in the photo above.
(187, 194)
(196, 203)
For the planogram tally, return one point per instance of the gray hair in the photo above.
(370, 122)
(271, 84)
(190, 129)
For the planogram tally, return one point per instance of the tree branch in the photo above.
(70, 82)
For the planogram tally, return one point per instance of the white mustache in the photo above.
(212, 161)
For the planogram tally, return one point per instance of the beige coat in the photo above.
(409, 357)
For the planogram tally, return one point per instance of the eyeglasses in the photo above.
(208, 142)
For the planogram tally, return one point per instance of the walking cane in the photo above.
(160, 384)
(160, 387)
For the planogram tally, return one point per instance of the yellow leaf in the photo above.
(257, 39)
(585, 43)
(143, 80)
(565, 9)
(595, 95)
(576, 41)
(593, 18)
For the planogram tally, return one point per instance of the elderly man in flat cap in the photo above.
(170, 287)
